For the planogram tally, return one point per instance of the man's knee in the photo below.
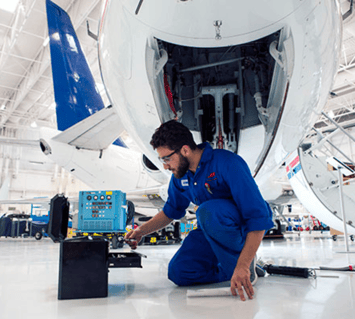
(175, 274)
(206, 215)
(205, 212)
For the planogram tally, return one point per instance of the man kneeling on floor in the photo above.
(232, 216)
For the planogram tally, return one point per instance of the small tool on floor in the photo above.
(290, 271)
(297, 271)
(283, 270)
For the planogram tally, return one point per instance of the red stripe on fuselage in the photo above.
(295, 161)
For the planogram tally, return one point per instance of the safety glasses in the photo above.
(166, 159)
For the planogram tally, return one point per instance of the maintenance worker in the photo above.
(232, 216)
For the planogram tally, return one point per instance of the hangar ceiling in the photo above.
(26, 88)
(341, 102)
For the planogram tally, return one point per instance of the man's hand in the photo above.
(133, 237)
(240, 280)
(241, 274)
(159, 221)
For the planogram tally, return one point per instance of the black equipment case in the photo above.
(83, 261)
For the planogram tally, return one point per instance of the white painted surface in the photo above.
(128, 52)
(29, 283)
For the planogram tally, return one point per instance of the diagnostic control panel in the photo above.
(102, 211)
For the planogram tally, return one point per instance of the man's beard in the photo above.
(183, 167)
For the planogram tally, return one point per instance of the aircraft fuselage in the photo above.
(228, 70)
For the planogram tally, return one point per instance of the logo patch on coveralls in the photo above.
(210, 178)
(184, 182)
(212, 175)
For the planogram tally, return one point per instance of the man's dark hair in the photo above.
(173, 135)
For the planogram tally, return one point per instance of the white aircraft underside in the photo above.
(248, 76)
(305, 40)
(251, 77)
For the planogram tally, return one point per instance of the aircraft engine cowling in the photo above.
(154, 171)
(46, 149)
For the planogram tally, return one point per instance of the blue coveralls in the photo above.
(230, 206)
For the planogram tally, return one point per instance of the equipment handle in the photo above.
(346, 268)
(288, 271)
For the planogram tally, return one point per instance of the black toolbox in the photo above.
(83, 261)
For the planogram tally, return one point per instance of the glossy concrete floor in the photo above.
(29, 283)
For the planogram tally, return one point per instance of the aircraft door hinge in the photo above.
(161, 62)
(276, 54)
(285, 57)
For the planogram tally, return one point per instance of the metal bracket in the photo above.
(218, 93)
(92, 35)
(350, 11)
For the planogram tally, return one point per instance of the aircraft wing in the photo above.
(149, 197)
(147, 201)
(43, 201)
(285, 199)
(96, 132)
(144, 198)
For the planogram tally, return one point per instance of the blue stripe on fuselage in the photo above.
(294, 171)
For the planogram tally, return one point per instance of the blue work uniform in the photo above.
(230, 206)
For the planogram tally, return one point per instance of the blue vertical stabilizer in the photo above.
(76, 95)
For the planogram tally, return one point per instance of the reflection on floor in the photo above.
(29, 283)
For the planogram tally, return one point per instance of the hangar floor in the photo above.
(29, 281)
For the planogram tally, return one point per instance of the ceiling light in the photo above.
(331, 114)
(9, 6)
(33, 124)
(3, 107)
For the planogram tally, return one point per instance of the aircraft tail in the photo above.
(75, 93)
